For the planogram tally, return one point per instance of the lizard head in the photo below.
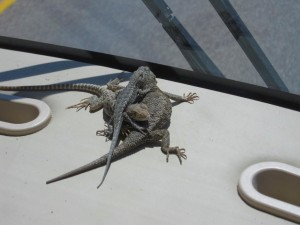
(145, 77)
(138, 112)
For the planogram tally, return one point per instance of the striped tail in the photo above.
(83, 87)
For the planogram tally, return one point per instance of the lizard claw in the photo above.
(107, 132)
(113, 85)
(101, 132)
(104, 133)
(84, 103)
(191, 97)
(126, 132)
(180, 152)
(93, 103)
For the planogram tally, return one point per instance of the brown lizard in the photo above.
(160, 110)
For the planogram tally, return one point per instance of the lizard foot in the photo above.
(191, 97)
(113, 85)
(180, 152)
(107, 132)
(83, 104)
(94, 104)
(103, 133)
(126, 131)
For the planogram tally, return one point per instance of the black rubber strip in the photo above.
(279, 98)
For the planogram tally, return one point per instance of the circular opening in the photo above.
(16, 112)
(278, 184)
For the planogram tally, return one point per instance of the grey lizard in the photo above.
(137, 86)
(102, 97)
(160, 109)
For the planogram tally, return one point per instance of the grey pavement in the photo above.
(127, 28)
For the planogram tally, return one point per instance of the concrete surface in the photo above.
(222, 135)
(127, 28)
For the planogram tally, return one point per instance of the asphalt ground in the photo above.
(127, 28)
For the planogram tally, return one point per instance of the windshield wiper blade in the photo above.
(193, 53)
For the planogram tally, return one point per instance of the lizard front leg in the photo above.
(94, 103)
(190, 97)
(106, 132)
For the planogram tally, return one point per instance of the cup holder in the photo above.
(22, 116)
(272, 187)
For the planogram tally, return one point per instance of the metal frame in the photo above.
(198, 79)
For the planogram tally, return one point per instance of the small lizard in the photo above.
(137, 86)
(160, 109)
(102, 97)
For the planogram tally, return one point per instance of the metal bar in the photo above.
(198, 79)
(249, 45)
(189, 48)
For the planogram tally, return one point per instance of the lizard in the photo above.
(136, 86)
(103, 97)
(160, 109)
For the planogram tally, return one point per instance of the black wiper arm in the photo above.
(192, 52)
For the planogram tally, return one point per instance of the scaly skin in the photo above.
(103, 97)
(160, 109)
(137, 85)
(83, 87)
(102, 94)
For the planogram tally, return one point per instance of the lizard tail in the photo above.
(90, 166)
(115, 138)
(90, 88)
(133, 140)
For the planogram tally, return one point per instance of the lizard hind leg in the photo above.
(167, 150)
(127, 147)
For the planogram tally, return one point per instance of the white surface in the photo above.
(222, 134)
(39, 114)
(277, 206)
